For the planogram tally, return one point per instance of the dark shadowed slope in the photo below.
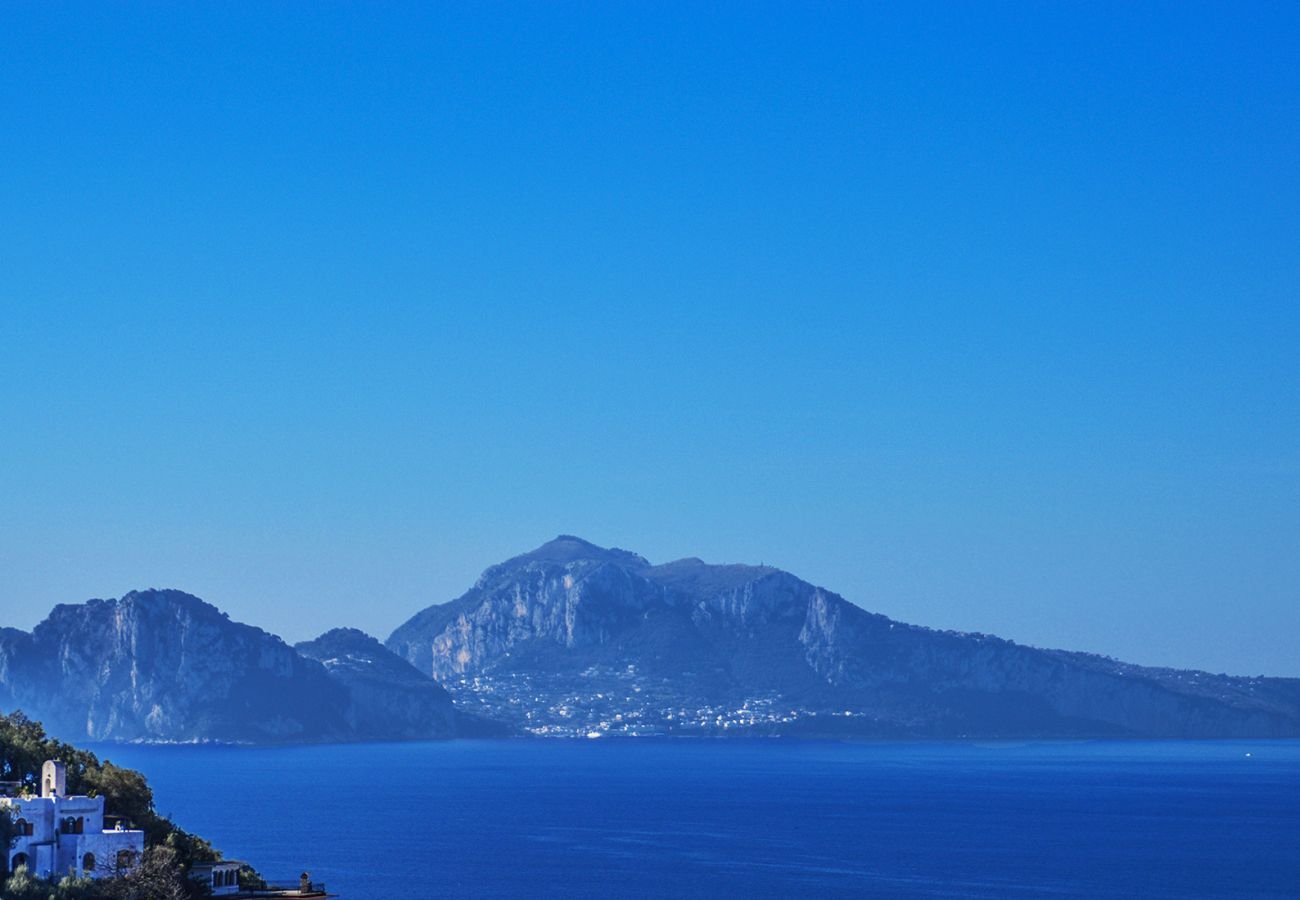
(389, 697)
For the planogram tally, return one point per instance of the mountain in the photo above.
(164, 665)
(389, 697)
(577, 639)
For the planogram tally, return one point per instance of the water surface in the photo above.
(708, 818)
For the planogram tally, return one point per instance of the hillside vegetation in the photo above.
(170, 851)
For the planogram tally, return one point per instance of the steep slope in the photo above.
(573, 638)
(389, 698)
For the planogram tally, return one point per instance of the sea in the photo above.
(747, 818)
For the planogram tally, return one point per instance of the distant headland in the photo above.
(572, 639)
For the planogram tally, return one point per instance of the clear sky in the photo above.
(985, 316)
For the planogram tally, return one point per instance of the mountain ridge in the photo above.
(575, 639)
(165, 665)
(731, 636)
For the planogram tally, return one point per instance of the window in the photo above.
(125, 859)
(88, 862)
(19, 860)
(23, 828)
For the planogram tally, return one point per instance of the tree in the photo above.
(159, 876)
(8, 831)
(125, 792)
(22, 886)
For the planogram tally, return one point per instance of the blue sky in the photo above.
(984, 316)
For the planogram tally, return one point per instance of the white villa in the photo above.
(222, 877)
(58, 834)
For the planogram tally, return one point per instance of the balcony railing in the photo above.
(289, 888)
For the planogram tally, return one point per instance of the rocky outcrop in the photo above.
(724, 638)
(166, 666)
(569, 592)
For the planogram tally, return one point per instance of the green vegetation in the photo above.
(169, 851)
(159, 876)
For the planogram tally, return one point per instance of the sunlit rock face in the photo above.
(573, 638)
(567, 593)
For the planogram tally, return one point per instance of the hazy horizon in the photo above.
(984, 319)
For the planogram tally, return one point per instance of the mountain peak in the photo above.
(337, 639)
(148, 602)
(351, 648)
(696, 575)
(385, 689)
(165, 597)
(349, 632)
(566, 548)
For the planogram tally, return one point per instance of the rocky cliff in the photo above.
(573, 638)
(164, 665)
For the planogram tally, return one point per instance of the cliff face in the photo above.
(574, 624)
(163, 665)
(568, 593)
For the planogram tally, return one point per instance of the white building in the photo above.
(58, 834)
(222, 877)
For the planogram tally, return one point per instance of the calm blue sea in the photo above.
(641, 818)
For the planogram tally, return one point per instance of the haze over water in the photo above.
(640, 818)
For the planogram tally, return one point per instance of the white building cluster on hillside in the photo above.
(57, 834)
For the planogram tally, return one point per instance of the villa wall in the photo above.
(52, 850)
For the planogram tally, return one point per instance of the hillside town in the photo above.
(619, 702)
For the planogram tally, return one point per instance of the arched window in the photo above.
(81, 825)
(88, 862)
(23, 828)
(126, 859)
(19, 860)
